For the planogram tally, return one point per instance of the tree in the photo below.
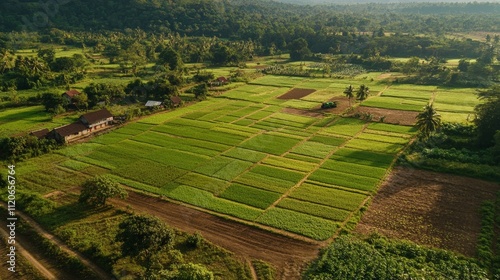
(191, 271)
(171, 59)
(362, 93)
(143, 234)
(488, 116)
(299, 49)
(52, 102)
(428, 121)
(349, 93)
(97, 190)
(201, 91)
(48, 55)
(81, 101)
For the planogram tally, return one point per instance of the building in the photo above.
(40, 134)
(220, 81)
(152, 104)
(70, 94)
(176, 101)
(86, 125)
(97, 120)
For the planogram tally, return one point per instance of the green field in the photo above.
(241, 155)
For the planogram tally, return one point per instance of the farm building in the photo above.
(97, 120)
(220, 81)
(152, 103)
(175, 101)
(86, 124)
(40, 134)
(70, 94)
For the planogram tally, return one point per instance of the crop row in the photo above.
(375, 146)
(313, 149)
(331, 197)
(345, 126)
(200, 134)
(344, 179)
(392, 128)
(394, 103)
(353, 168)
(207, 183)
(271, 144)
(289, 163)
(250, 196)
(304, 224)
(264, 182)
(150, 172)
(187, 144)
(382, 138)
(245, 154)
(314, 209)
(224, 168)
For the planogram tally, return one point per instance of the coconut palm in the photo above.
(362, 93)
(349, 93)
(428, 121)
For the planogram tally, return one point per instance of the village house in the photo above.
(153, 104)
(70, 94)
(86, 124)
(220, 81)
(40, 134)
(176, 101)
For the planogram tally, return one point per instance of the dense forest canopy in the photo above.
(244, 19)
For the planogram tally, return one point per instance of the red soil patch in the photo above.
(342, 106)
(296, 93)
(429, 208)
(307, 113)
(391, 116)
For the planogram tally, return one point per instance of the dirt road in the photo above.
(288, 255)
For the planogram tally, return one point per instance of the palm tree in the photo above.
(428, 121)
(349, 93)
(362, 93)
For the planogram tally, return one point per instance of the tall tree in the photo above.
(96, 190)
(171, 59)
(428, 121)
(349, 93)
(299, 49)
(362, 93)
(488, 116)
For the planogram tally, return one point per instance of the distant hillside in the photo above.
(244, 19)
(315, 2)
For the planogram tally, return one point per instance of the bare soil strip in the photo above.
(391, 116)
(429, 208)
(296, 93)
(288, 255)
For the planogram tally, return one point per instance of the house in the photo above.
(176, 101)
(220, 81)
(70, 94)
(86, 125)
(97, 120)
(152, 103)
(40, 134)
(65, 134)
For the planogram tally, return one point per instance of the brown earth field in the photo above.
(391, 116)
(296, 93)
(289, 256)
(429, 208)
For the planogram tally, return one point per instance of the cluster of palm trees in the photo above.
(361, 94)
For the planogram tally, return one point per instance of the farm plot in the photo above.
(456, 105)
(296, 93)
(395, 103)
(244, 154)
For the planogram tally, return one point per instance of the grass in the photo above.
(303, 224)
(245, 154)
(250, 196)
(345, 126)
(375, 146)
(395, 103)
(224, 168)
(313, 149)
(203, 182)
(393, 128)
(383, 138)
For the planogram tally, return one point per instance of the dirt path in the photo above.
(97, 270)
(288, 255)
(46, 272)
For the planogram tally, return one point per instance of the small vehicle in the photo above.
(328, 105)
